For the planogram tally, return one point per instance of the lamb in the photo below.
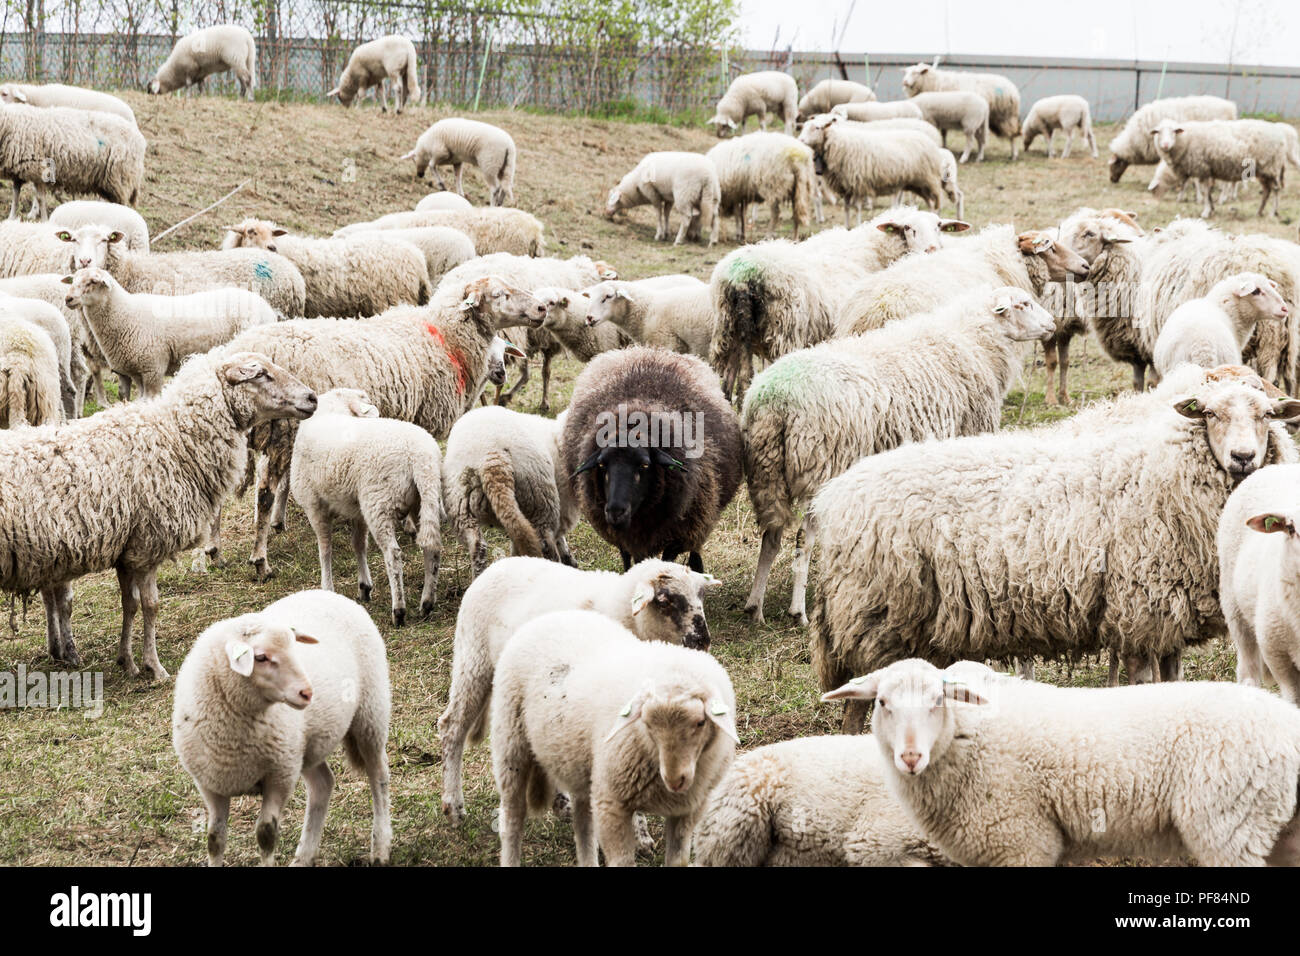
(29, 375)
(652, 449)
(767, 168)
(455, 141)
(165, 466)
(1164, 179)
(814, 413)
(350, 464)
(491, 230)
(46, 95)
(355, 275)
(756, 94)
(147, 337)
(566, 322)
(1160, 771)
(1067, 113)
(1002, 95)
(654, 600)
(50, 321)
(498, 350)
(828, 94)
(685, 182)
(72, 215)
(389, 58)
(677, 317)
(814, 801)
(1212, 331)
(998, 255)
(443, 248)
(443, 200)
(870, 112)
(216, 49)
(265, 698)
(772, 298)
(1224, 149)
(1134, 146)
(84, 152)
(581, 705)
(957, 109)
(1019, 545)
(420, 365)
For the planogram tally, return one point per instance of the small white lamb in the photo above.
(1212, 331)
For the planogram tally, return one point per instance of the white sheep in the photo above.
(443, 248)
(40, 313)
(655, 600)
(389, 58)
(498, 350)
(73, 215)
(443, 200)
(1134, 145)
(767, 168)
(29, 375)
(1225, 150)
(456, 141)
(684, 182)
(1212, 331)
(566, 323)
(1000, 772)
(492, 229)
(1002, 95)
(957, 109)
(351, 465)
(265, 698)
(870, 112)
(581, 705)
(215, 49)
(757, 94)
(59, 94)
(1068, 113)
(146, 337)
(828, 94)
(677, 316)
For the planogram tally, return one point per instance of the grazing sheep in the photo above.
(389, 58)
(29, 375)
(72, 215)
(1224, 149)
(1045, 775)
(581, 705)
(1067, 113)
(872, 112)
(491, 229)
(443, 248)
(1002, 95)
(50, 320)
(957, 109)
(814, 413)
(216, 49)
(265, 698)
(814, 801)
(46, 95)
(1134, 145)
(652, 450)
(1164, 179)
(351, 465)
(774, 297)
(767, 168)
(355, 275)
(74, 150)
(1020, 545)
(655, 600)
(685, 182)
(444, 201)
(455, 141)
(677, 317)
(1212, 331)
(169, 464)
(828, 94)
(948, 171)
(755, 94)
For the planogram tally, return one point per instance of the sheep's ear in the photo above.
(706, 581)
(889, 227)
(1271, 523)
(1244, 288)
(717, 710)
(606, 271)
(1190, 408)
(1285, 409)
(66, 280)
(473, 299)
(860, 688)
(235, 374)
(953, 225)
(303, 638)
(19, 96)
(587, 465)
(240, 655)
(622, 294)
(279, 232)
(1000, 308)
(641, 597)
(629, 715)
(959, 691)
(515, 351)
(665, 460)
(361, 408)
(116, 236)
(64, 235)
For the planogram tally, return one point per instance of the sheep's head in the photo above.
(346, 401)
(914, 78)
(1163, 179)
(260, 391)
(1236, 418)
(498, 305)
(1258, 292)
(681, 725)
(346, 91)
(266, 655)
(252, 234)
(814, 131)
(565, 309)
(919, 230)
(1166, 134)
(914, 720)
(668, 603)
(86, 287)
(722, 125)
(498, 349)
(606, 301)
(1061, 261)
(1020, 315)
(1116, 166)
(1091, 235)
(91, 245)
(629, 476)
(9, 93)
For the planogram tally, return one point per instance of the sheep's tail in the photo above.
(424, 472)
(737, 826)
(352, 754)
(498, 479)
(16, 396)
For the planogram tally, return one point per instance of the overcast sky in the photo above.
(1267, 31)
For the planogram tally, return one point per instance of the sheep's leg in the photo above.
(1069, 143)
(546, 382)
(97, 387)
(476, 548)
(1092, 142)
(130, 604)
(370, 747)
(677, 841)
(584, 832)
(275, 792)
(965, 155)
(1171, 666)
(273, 476)
(661, 221)
(459, 170)
(1112, 676)
(506, 398)
(386, 540)
(383, 97)
(566, 557)
(53, 642)
(1250, 663)
(512, 769)
(617, 834)
(320, 524)
(695, 562)
(281, 512)
(627, 559)
(15, 205)
(218, 806)
(1050, 363)
(943, 138)
(148, 583)
(364, 584)
(1024, 667)
(804, 541)
(855, 716)
(740, 222)
(438, 175)
(1139, 375)
(58, 624)
(687, 217)
(1207, 186)
(429, 594)
(1063, 391)
(848, 212)
(767, 553)
(469, 699)
(214, 539)
(319, 782)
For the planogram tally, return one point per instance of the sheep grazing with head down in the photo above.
(757, 94)
(684, 182)
(1002, 95)
(1134, 145)
(389, 58)
(455, 141)
(828, 94)
(1068, 113)
(767, 168)
(216, 49)
(653, 451)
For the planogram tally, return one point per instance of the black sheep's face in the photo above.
(627, 477)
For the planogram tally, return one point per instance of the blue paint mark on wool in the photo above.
(262, 270)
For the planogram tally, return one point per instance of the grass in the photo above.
(110, 790)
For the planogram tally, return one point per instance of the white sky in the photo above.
(1267, 31)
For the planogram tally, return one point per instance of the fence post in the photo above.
(482, 72)
(1161, 85)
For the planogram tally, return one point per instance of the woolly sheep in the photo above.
(1224, 149)
(654, 600)
(814, 801)
(74, 97)
(355, 275)
(871, 112)
(50, 321)
(1017, 545)
(455, 141)
(265, 698)
(684, 182)
(86, 360)
(756, 94)
(1134, 146)
(677, 317)
(652, 449)
(948, 172)
(443, 200)
(1164, 179)
(72, 215)
(1067, 113)
(814, 413)
(582, 706)
(351, 465)
(1160, 771)
(1212, 331)
(767, 168)
(443, 248)
(1002, 95)
(29, 375)
(28, 248)
(491, 229)
(84, 152)
(566, 322)
(216, 49)
(389, 58)
(831, 93)
(957, 109)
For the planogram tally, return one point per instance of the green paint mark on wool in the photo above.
(793, 379)
(743, 270)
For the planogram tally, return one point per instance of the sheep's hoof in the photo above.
(126, 664)
(455, 814)
(363, 593)
(754, 613)
(399, 616)
(799, 617)
(261, 570)
(159, 672)
(278, 527)
(426, 608)
(69, 656)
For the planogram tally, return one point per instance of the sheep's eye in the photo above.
(1256, 292)
(1210, 414)
(645, 465)
(700, 722)
(261, 658)
(882, 702)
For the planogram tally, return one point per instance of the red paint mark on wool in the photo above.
(456, 363)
